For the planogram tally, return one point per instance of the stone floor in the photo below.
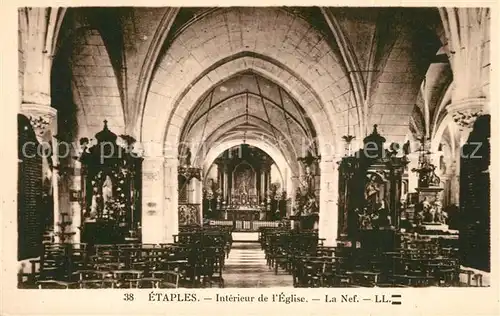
(246, 268)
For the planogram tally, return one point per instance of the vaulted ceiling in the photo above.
(362, 66)
(250, 106)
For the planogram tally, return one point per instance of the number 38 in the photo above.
(128, 297)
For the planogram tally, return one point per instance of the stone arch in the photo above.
(255, 103)
(445, 124)
(198, 59)
(321, 116)
(293, 45)
(274, 153)
(258, 135)
(262, 130)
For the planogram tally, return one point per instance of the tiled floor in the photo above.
(246, 268)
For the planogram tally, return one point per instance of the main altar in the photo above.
(243, 189)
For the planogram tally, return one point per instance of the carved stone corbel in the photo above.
(43, 118)
(465, 112)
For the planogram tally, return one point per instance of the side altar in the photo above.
(370, 193)
(111, 188)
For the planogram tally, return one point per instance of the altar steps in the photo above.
(245, 236)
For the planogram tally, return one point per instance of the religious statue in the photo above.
(431, 213)
(306, 202)
(374, 218)
(422, 212)
(278, 195)
(209, 194)
(440, 215)
(188, 157)
(311, 205)
(47, 189)
(243, 188)
(372, 193)
(309, 178)
(107, 193)
(426, 174)
(364, 221)
(243, 180)
(93, 207)
(365, 218)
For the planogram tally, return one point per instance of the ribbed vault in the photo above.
(248, 106)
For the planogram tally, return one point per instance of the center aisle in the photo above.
(246, 268)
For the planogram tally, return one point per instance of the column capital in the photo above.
(43, 118)
(465, 112)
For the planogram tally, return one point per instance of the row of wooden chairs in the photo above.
(195, 259)
(92, 279)
(419, 261)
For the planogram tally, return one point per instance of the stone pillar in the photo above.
(328, 206)
(263, 192)
(153, 208)
(464, 113)
(445, 184)
(225, 178)
(43, 119)
(267, 177)
(171, 199)
(467, 33)
(198, 197)
(455, 183)
(37, 28)
(76, 206)
(191, 191)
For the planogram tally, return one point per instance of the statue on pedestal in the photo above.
(372, 193)
(107, 194)
(440, 216)
(431, 213)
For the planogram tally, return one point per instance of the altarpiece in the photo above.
(111, 188)
(370, 192)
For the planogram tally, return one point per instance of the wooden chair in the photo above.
(126, 278)
(469, 273)
(478, 277)
(146, 283)
(169, 279)
(55, 284)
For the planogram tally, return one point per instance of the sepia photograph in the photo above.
(253, 147)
